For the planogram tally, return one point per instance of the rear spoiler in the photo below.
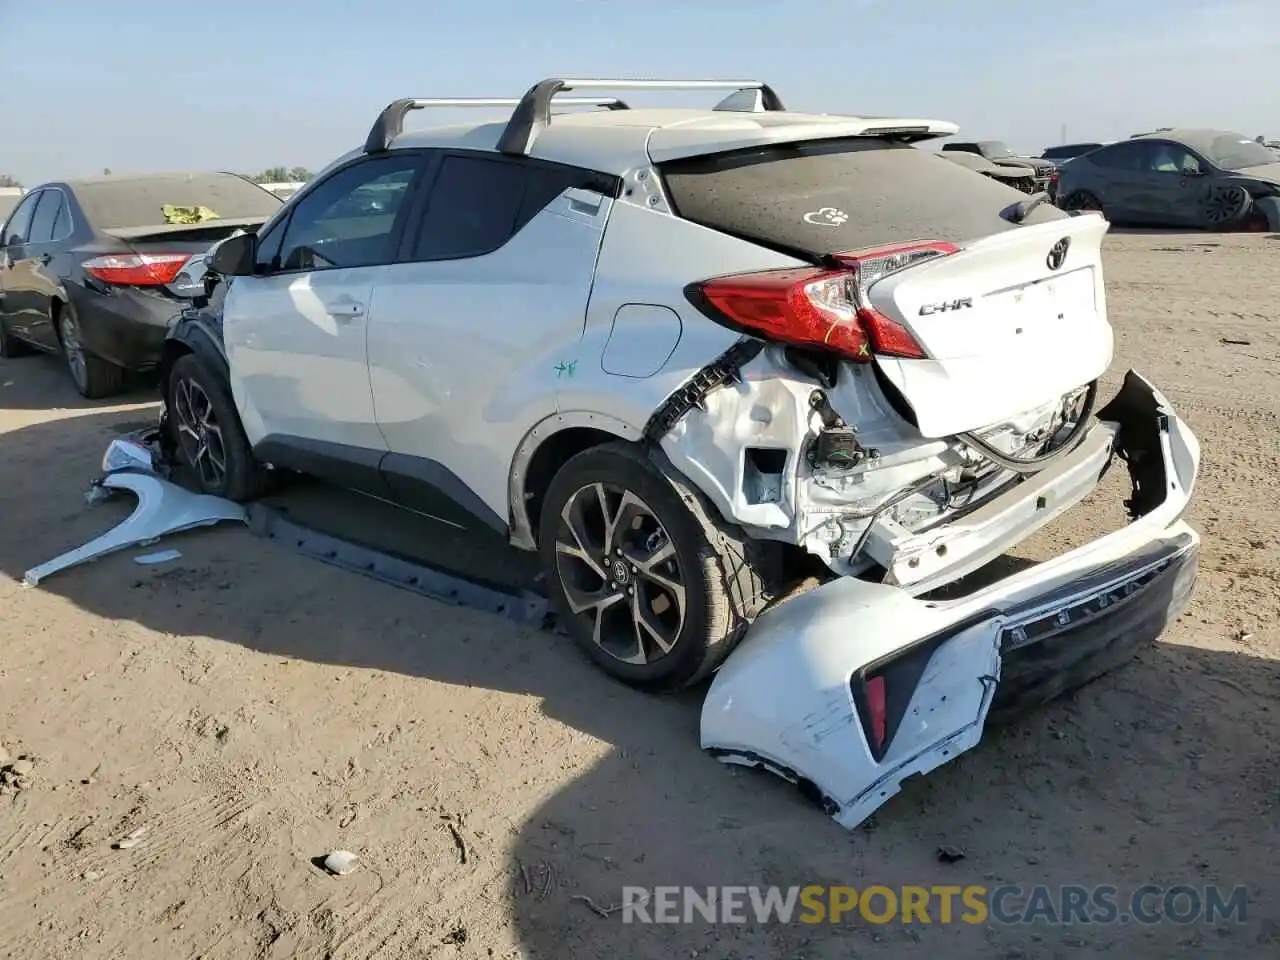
(164, 229)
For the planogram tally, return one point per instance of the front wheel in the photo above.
(1082, 201)
(652, 584)
(208, 434)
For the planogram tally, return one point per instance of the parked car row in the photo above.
(1169, 177)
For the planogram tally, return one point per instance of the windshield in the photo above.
(996, 150)
(1232, 152)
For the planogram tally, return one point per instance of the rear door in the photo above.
(295, 332)
(467, 330)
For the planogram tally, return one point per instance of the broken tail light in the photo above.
(137, 269)
(819, 307)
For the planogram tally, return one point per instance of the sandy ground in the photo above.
(255, 710)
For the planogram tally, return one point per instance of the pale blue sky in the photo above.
(232, 84)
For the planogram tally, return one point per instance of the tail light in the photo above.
(822, 307)
(877, 719)
(137, 269)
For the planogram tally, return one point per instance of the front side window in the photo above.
(349, 220)
(15, 231)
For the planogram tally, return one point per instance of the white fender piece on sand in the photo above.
(163, 508)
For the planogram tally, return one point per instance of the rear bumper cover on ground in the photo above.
(788, 699)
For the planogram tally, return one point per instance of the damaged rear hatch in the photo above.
(977, 304)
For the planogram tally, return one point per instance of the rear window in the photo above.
(112, 204)
(833, 196)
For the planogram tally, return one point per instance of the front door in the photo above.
(16, 294)
(295, 331)
(44, 259)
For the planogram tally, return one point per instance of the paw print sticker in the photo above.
(826, 217)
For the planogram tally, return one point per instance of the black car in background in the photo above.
(1207, 179)
(87, 267)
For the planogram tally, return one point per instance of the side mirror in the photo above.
(235, 256)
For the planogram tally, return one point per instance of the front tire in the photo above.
(95, 378)
(651, 583)
(208, 435)
(11, 346)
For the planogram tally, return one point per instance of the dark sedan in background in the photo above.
(1205, 179)
(88, 267)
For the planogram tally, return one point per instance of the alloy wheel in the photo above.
(1225, 204)
(73, 351)
(199, 433)
(618, 568)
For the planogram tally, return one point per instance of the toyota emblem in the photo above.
(1058, 254)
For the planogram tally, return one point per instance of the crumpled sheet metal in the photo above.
(163, 508)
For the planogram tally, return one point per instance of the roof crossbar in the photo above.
(390, 122)
(532, 114)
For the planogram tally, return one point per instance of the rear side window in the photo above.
(473, 208)
(41, 230)
(832, 196)
(478, 204)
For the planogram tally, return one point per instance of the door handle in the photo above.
(347, 312)
(44, 258)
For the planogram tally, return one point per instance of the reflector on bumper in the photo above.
(795, 698)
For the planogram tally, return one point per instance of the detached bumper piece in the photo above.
(854, 687)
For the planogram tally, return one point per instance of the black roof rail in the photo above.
(390, 122)
(532, 114)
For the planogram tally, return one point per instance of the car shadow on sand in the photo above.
(1163, 772)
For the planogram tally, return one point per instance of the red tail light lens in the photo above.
(137, 269)
(820, 307)
(878, 713)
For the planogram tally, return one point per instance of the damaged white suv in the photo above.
(680, 351)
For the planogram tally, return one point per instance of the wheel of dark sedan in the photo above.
(651, 583)
(208, 433)
(94, 377)
(1225, 205)
(1082, 201)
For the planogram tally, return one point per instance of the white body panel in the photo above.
(465, 356)
(296, 347)
(1031, 333)
(783, 700)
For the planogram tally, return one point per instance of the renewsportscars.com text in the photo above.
(937, 904)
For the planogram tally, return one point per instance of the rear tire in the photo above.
(95, 378)
(207, 433)
(1082, 201)
(652, 584)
